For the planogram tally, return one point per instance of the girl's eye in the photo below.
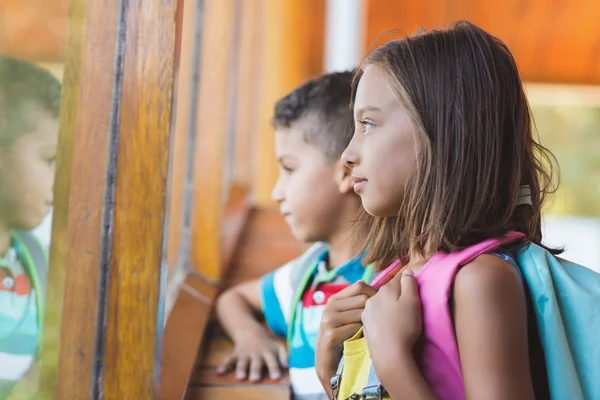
(287, 169)
(367, 125)
(50, 160)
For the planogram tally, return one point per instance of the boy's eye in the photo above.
(50, 160)
(367, 125)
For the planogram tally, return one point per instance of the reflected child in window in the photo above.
(312, 125)
(29, 119)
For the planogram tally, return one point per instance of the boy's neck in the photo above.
(4, 239)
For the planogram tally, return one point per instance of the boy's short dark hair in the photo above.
(23, 85)
(326, 98)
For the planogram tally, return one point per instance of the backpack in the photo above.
(36, 265)
(566, 303)
(303, 271)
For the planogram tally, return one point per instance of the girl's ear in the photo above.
(343, 178)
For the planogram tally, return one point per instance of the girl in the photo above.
(442, 150)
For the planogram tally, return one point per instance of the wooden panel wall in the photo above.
(34, 30)
(134, 314)
(115, 134)
(553, 42)
(212, 124)
(292, 42)
(182, 106)
(248, 67)
(96, 27)
(69, 125)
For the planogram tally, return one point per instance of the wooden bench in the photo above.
(194, 346)
(206, 384)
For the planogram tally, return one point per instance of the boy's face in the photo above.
(310, 189)
(27, 169)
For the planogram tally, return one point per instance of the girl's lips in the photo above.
(358, 186)
(358, 183)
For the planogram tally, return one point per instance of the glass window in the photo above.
(32, 46)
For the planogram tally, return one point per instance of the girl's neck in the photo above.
(342, 248)
(343, 244)
(416, 265)
(417, 261)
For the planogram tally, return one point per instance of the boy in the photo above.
(313, 126)
(29, 110)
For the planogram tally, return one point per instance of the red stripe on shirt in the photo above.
(328, 289)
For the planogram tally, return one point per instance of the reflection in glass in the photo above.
(29, 116)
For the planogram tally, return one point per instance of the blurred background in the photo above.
(556, 44)
(234, 58)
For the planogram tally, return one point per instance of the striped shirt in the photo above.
(280, 307)
(18, 322)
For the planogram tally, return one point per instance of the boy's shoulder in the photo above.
(279, 289)
(29, 243)
(35, 257)
(286, 279)
(296, 270)
(308, 259)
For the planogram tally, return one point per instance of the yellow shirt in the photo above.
(357, 363)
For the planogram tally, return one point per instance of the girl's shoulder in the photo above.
(489, 276)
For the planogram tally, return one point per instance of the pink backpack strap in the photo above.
(468, 254)
(463, 257)
(438, 356)
(437, 352)
(387, 274)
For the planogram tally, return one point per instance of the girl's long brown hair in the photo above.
(476, 145)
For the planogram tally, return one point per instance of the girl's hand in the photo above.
(340, 321)
(392, 319)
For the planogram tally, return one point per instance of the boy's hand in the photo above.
(254, 347)
(253, 351)
(341, 320)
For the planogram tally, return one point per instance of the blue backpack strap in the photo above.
(337, 380)
(36, 257)
(300, 277)
(36, 264)
(374, 389)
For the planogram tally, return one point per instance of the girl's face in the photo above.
(383, 150)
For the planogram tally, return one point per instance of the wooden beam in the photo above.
(184, 330)
(235, 219)
(189, 317)
(182, 124)
(96, 22)
(552, 42)
(112, 319)
(291, 50)
(212, 127)
(34, 30)
(246, 120)
(248, 392)
(70, 105)
(134, 317)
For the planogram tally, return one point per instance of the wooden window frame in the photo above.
(112, 162)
